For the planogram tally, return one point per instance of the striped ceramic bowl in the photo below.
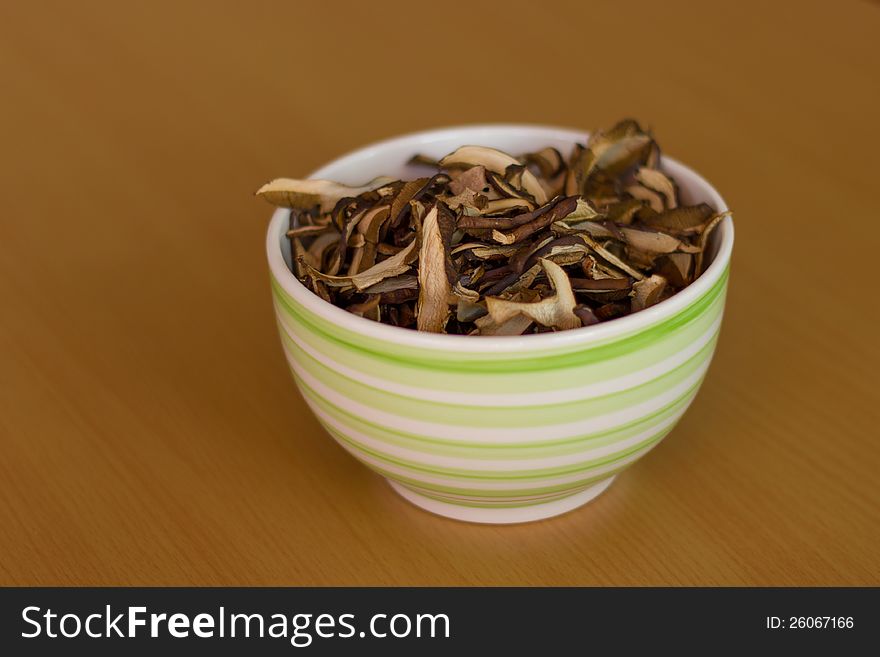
(498, 429)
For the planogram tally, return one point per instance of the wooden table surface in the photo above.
(150, 432)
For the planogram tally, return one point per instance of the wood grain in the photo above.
(149, 430)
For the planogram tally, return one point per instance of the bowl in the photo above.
(498, 429)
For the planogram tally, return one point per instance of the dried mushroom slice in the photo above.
(653, 198)
(620, 147)
(704, 240)
(473, 179)
(306, 194)
(562, 209)
(675, 268)
(493, 160)
(514, 325)
(660, 183)
(432, 311)
(610, 258)
(684, 220)
(654, 241)
(402, 282)
(647, 292)
(391, 266)
(556, 311)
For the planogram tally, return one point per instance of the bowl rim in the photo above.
(407, 337)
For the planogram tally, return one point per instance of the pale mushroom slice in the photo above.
(556, 311)
(653, 198)
(306, 194)
(609, 257)
(647, 292)
(494, 160)
(402, 282)
(391, 266)
(660, 183)
(432, 311)
(503, 205)
(596, 229)
(652, 241)
(515, 325)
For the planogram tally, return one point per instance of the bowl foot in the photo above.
(506, 515)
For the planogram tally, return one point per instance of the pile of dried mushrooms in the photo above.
(493, 244)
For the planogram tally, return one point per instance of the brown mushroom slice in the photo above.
(484, 251)
(580, 163)
(704, 240)
(659, 182)
(365, 308)
(641, 193)
(600, 285)
(647, 292)
(562, 209)
(473, 179)
(556, 311)
(652, 241)
(411, 191)
(609, 257)
(369, 227)
(432, 311)
(623, 212)
(306, 194)
(675, 268)
(402, 282)
(493, 160)
(620, 147)
(685, 219)
(502, 223)
(548, 160)
(314, 255)
(470, 311)
(612, 311)
(297, 252)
